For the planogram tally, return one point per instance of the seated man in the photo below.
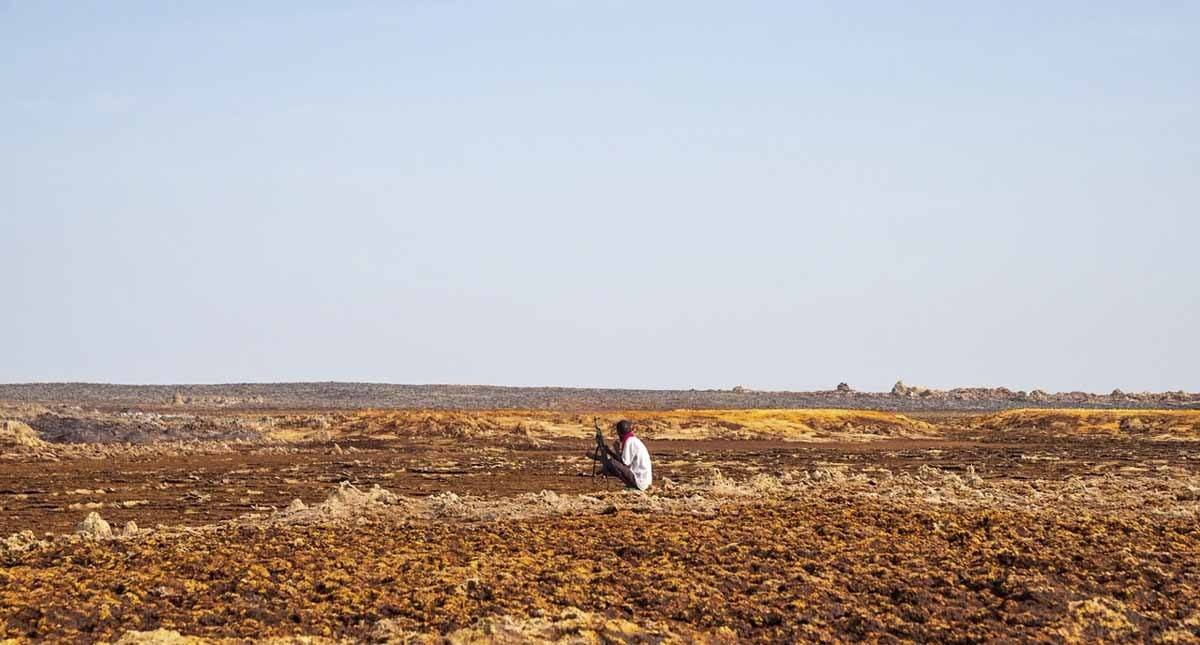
(632, 466)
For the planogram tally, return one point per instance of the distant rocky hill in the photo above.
(475, 397)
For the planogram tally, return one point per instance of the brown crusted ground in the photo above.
(835, 569)
(976, 530)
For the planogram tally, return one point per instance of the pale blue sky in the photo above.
(646, 194)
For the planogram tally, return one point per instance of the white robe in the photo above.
(635, 455)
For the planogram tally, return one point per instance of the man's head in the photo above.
(624, 428)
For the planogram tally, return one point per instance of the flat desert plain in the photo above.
(156, 524)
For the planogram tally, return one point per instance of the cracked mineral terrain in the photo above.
(164, 523)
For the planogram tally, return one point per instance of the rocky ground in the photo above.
(331, 395)
(158, 525)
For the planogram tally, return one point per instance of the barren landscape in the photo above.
(181, 519)
(691, 322)
(334, 395)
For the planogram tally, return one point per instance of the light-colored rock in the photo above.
(19, 543)
(94, 526)
(296, 506)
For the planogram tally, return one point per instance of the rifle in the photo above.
(599, 452)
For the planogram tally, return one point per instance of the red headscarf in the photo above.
(625, 436)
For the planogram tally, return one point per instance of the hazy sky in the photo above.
(647, 194)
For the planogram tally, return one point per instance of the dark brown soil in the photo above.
(194, 490)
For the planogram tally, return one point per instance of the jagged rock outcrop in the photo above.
(68, 399)
(900, 389)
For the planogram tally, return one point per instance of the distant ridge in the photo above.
(330, 395)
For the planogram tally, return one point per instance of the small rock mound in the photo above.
(94, 526)
(1132, 424)
(447, 504)
(348, 494)
(525, 433)
(18, 543)
(344, 502)
(296, 506)
(761, 485)
(17, 434)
